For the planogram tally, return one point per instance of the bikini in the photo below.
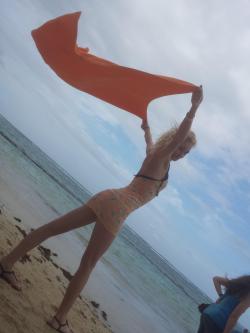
(165, 178)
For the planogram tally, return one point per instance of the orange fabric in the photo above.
(124, 87)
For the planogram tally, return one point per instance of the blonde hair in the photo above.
(164, 140)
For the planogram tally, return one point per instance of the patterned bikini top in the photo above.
(162, 180)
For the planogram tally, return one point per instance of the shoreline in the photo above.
(43, 285)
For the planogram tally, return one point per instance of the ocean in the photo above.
(135, 267)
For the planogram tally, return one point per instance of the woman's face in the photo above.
(181, 151)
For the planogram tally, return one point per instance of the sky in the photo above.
(200, 222)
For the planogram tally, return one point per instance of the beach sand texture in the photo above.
(43, 286)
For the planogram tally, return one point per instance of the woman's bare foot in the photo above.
(58, 326)
(10, 277)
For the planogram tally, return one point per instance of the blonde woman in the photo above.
(108, 209)
(222, 316)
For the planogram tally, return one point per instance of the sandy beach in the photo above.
(43, 285)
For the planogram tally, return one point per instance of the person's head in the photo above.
(182, 150)
(239, 286)
(185, 147)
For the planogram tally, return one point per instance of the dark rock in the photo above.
(66, 274)
(45, 252)
(25, 258)
(54, 264)
(104, 315)
(96, 305)
(23, 232)
(39, 260)
(17, 219)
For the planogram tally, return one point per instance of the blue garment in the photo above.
(220, 312)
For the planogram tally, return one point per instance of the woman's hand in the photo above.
(144, 124)
(197, 97)
(218, 300)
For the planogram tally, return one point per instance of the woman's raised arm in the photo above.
(186, 124)
(218, 283)
(147, 136)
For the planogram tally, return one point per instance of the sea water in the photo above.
(148, 276)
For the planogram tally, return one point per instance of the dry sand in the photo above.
(43, 286)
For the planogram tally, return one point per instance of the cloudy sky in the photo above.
(200, 223)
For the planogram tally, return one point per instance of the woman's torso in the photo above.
(154, 166)
(149, 181)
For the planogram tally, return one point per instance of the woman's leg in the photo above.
(74, 219)
(99, 242)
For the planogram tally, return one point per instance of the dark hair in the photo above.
(239, 286)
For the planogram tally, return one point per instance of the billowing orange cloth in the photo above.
(124, 87)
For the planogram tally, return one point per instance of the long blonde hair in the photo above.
(164, 140)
